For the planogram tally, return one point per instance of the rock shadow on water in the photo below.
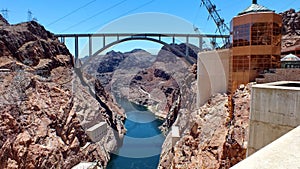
(132, 163)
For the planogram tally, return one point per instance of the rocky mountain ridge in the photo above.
(291, 28)
(46, 106)
(104, 66)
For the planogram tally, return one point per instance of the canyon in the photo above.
(47, 104)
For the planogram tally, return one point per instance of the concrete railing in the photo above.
(283, 153)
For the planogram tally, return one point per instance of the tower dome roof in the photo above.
(254, 7)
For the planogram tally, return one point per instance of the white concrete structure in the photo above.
(97, 132)
(175, 135)
(5, 70)
(87, 165)
(283, 153)
(275, 110)
(171, 139)
(212, 74)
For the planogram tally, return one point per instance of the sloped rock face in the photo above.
(3, 21)
(45, 106)
(155, 89)
(180, 69)
(291, 22)
(104, 67)
(109, 63)
(215, 137)
(291, 28)
(179, 50)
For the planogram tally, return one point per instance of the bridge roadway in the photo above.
(122, 37)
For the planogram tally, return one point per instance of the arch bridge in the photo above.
(123, 37)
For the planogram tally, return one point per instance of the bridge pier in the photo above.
(173, 39)
(187, 47)
(76, 49)
(213, 42)
(62, 40)
(103, 41)
(90, 46)
(200, 43)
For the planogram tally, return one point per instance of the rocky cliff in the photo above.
(46, 104)
(213, 136)
(155, 89)
(291, 28)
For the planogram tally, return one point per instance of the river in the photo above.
(142, 143)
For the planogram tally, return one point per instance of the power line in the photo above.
(197, 14)
(283, 8)
(72, 12)
(98, 13)
(141, 6)
(196, 29)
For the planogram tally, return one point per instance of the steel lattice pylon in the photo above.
(223, 29)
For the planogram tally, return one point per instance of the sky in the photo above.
(91, 16)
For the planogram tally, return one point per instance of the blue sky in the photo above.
(78, 16)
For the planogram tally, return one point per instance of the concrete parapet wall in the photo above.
(282, 153)
(275, 110)
(280, 75)
(212, 74)
(175, 135)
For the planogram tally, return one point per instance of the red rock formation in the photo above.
(234, 149)
(44, 106)
(214, 138)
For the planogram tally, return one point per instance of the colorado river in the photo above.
(142, 143)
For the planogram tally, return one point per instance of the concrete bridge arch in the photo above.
(146, 38)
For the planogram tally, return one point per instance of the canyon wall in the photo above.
(46, 105)
(215, 136)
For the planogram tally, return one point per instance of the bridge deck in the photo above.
(142, 34)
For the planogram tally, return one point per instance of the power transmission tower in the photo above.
(29, 15)
(35, 19)
(5, 13)
(222, 28)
